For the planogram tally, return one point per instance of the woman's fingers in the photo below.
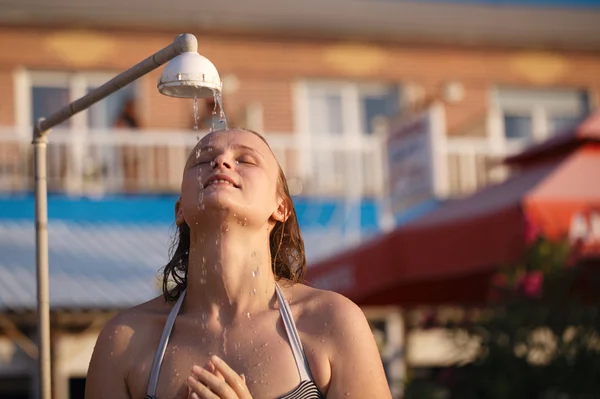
(218, 386)
(218, 380)
(233, 379)
(199, 390)
(211, 367)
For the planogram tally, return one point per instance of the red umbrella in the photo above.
(450, 254)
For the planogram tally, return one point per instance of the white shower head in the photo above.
(190, 75)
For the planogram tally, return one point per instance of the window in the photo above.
(46, 92)
(533, 115)
(347, 108)
(338, 123)
(73, 155)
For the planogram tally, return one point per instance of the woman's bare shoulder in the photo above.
(121, 342)
(326, 305)
(139, 316)
(339, 329)
(131, 327)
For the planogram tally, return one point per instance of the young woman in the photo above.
(236, 321)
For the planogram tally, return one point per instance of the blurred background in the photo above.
(443, 157)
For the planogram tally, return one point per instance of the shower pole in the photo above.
(182, 43)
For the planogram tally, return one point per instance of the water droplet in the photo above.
(248, 315)
(225, 227)
(224, 340)
(322, 340)
(202, 281)
(253, 291)
(112, 353)
(347, 394)
(254, 273)
(265, 344)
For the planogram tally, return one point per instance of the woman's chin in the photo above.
(218, 201)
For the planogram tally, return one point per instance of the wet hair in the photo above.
(288, 259)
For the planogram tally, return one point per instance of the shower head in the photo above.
(189, 75)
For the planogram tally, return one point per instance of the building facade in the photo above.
(324, 81)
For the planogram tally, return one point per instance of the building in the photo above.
(324, 81)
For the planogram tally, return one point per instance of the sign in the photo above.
(585, 227)
(413, 168)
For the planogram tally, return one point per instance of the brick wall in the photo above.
(267, 69)
(7, 110)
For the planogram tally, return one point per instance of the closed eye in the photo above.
(247, 160)
(199, 162)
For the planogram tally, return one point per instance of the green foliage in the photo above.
(540, 338)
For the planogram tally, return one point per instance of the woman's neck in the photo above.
(229, 273)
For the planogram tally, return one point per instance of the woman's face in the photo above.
(230, 172)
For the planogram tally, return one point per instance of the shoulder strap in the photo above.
(292, 333)
(162, 346)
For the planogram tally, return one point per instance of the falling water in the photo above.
(219, 100)
(196, 117)
(200, 183)
(214, 112)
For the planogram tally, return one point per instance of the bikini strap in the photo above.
(162, 347)
(294, 338)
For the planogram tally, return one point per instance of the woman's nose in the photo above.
(223, 161)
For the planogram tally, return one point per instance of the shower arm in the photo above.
(182, 43)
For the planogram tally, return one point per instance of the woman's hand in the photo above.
(217, 381)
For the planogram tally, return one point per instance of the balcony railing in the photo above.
(97, 162)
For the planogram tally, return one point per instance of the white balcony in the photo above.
(98, 162)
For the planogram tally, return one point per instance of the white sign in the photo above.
(411, 157)
(585, 227)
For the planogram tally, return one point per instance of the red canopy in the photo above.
(450, 254)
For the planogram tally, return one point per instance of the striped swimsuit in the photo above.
(305, 390)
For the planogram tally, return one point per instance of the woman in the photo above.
(245, 326)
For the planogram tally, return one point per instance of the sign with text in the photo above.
(411, 157)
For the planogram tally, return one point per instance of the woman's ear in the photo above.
(282, 212)
(179, 219)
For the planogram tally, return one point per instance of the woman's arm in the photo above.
(356, 367)
(108, 367)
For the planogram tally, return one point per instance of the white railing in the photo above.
(471, 164)
(97, 162)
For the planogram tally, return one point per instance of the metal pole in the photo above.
(182, 43)
(40, 142)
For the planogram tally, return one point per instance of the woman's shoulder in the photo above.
(327, 310)
(132, 325)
